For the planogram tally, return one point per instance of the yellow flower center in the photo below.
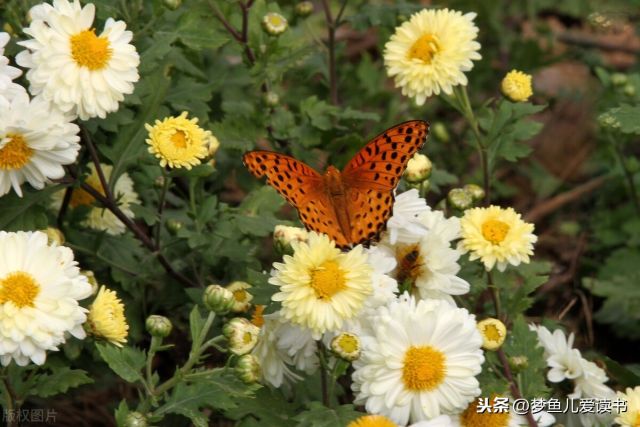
(15, 154)
(179, 139)
(247, 337)
(348, 343)
(495, 230)
(472, 418)
(240, 295)
(20, 288)
(424, 368)
(425, 48)
(491, 333)
(257, 317)
(637, 423)
(327, 280)
(410, 263)
(372, 421)
(80, 197)
(275, 20)
(89, 50)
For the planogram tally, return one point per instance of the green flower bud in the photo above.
(54, 236)
(619, 79)
(440, 131)
(135, 419)
(274, 24)
(346, 346)
(518, 363)
(459, 199)
(158, 326)
(271, 99)
(242, 335)
(607, 121)
(629, 90)
(173, 4)
(173, 225)
(218, 299)
(304, 9)
(476, 192)
(248, 369)
(418, 169)
(159, 181)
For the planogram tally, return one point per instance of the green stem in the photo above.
(161, 202)
(633, 191)
(495, 295)
(323, 375)
(153, 348)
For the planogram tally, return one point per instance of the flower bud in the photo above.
(440, 131)
(218, 299)
(516, 86)
(607, 121)
(619, 79)
(173, 4)
(135, 419)
(518, 363)
(214, 145)
(493, 333)
(274, 24)
(304, 9)
(346, 346)
(54, 236)
(284, 237)
(599, 21)
(418, 169)
(242, 298)
(159, 182)
(91, 278)
(475, 191)
(271, 99)
(629, 90)
(242, 335)
(459, 199)
(173, 225)
(248, 369)
(7, 28)
(158, 326)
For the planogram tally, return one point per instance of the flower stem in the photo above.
(323, 375)
(515, 391)
(163, 195)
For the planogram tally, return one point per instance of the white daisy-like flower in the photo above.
(496, 236)
(404, 225)
(631, 416)
(40, 285)
(420, 361)
(35, 142)
(321, 287)
(431, 52)
(447, 229)
(384, 286)
(73, 67)
(282, 346)
(99, 218)
(8, 89)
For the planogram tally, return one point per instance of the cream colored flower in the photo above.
(8, 89)
(274, 23)
(179, 142)
(242, 335)
(321, 287)
(242, 298)
(493, 333)
(106, 317)
(70, 65)
(420, 361)
(630, 417)
(99, 218)
(40, 285)
(516, 86)
(418, 168)
(496, 236)
(430, 52)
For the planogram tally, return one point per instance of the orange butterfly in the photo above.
(351, 206)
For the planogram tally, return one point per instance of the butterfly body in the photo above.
(353, 205)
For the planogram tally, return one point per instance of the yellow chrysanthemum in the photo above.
(431, 52)
(493, 333)
(321, 287)
(372, 421)
(631, 417)
(106, 317)
(496, 236)
(178, 141)
(516, 86)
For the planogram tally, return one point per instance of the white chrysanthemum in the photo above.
(631, 416)
(447, 229)
(384, 286)
(8, 89)
(496, 236)
(430, 52)
(100, 218)
(420, 361)
(282, 346)
(73, 67)
(405, 226)
(35, 142)
(321, 287)
(566, 363)
(40, 285)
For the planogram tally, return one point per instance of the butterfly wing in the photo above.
(302, 187)
(373, 173)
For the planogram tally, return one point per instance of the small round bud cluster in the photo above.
(158, 326)
(218, 299)
(459, 199)
(608, 121)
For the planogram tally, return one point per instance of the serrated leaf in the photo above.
(59, 381)
(319, 415)
(25, 213)
(196, 323)
(126, 362)
(627, 116)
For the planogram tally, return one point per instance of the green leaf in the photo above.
(627, 116)
(196, 323)
(121, 413)
(319, 415)
(25, 213)
(59, 381)
(126, 362)
(267, 408)
(195, 31)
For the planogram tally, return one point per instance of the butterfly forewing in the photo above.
(369, 211)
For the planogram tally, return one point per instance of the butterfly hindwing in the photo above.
(369, 210)
(381, 163)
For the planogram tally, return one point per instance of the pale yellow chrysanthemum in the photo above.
(106, 317)
(496, 236)
(516, 86)
(178, 141)
(321, 287)
(431, 52)
(631, 417)
(493, 333)
(372, 421)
